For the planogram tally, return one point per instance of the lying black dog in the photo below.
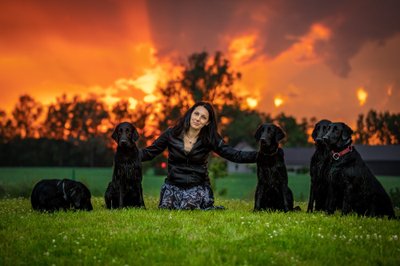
(319, 167)
(272, 192)
(362, 192)
(125, 188)
(55, 194)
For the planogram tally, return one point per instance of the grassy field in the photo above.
(20, 181)
(235, 236)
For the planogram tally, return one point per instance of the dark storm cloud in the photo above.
(191, 26)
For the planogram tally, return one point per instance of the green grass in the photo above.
(235, 236)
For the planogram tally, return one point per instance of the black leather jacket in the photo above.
(186, 169)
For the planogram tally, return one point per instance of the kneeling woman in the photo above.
(189, 144)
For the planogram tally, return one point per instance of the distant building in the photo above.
(382, 160)
(241, 167)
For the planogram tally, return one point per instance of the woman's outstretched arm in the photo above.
(231, 154)
(157, 147)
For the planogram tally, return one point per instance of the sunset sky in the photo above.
(328, 59)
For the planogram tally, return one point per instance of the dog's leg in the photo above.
(346, 208)
(121, 197)
(285, 201)
(258, 199)
(311, 199)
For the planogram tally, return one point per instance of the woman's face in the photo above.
(199, 118)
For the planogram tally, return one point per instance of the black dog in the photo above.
(55, 194)
(272, 192)
(362, 192)
(125, 188)
(319, 168)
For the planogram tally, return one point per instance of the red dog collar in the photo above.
(337, 155)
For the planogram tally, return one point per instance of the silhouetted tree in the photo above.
(58, 118)
(26, 114)
(378, 128)
(7, 130)
(296, 133)
(240, 125)
(202, 79)
(86, 118)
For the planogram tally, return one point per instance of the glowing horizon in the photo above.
(122, 51)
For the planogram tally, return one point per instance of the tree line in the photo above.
(76, 131)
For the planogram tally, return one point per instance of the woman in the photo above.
(189, 144)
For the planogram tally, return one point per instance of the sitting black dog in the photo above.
(125, 188)
(272, 192)
(319, 167)
(55, 194)
(362, 192)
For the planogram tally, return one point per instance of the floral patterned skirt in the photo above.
(178, 198)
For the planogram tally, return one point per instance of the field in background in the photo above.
(20, 181)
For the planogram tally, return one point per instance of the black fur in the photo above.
(272, 192)
(125, 188)
(56, 194)
(319, 167)
(362, 192)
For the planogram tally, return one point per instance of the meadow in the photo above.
(235, 236)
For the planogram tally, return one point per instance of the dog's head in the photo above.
(338, 135)
(269, 134)
(125, 134)
(78, 195)
(319, 131)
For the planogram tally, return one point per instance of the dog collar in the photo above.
(337, 155)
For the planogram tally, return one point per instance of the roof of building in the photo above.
(302, 155)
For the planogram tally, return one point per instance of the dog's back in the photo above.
(363, 193)
(46, 196)
(60, 194)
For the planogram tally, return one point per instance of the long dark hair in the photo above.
(209, 133)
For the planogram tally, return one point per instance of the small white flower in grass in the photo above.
(79, 250)
(46, 253)
(395, 237)
(54, 241)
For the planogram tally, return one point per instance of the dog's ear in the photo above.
(279, 134)
(347, 132)
(314, 132)
(135, 134)
(114, 135)
(259, 131)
